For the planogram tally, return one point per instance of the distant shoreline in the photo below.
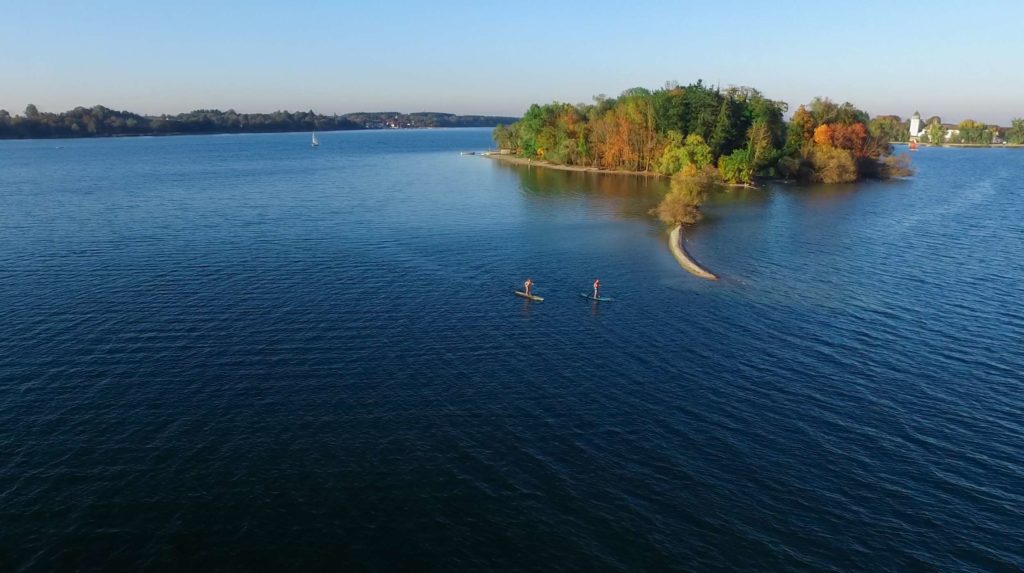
(100, 121)
(180, 133)
(978, 145)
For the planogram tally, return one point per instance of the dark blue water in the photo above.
(240, 353)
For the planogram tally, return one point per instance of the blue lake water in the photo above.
(241, 353)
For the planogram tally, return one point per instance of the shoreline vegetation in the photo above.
(705, 139)
(517, 160)
(99, 121)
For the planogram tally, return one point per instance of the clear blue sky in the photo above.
(950, 58)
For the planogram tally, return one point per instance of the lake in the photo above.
(241, 353)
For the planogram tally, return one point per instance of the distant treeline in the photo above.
(99, 121)
(392, 119)
(688, 129)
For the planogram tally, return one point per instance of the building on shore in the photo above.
(919, 131)
(915, 126)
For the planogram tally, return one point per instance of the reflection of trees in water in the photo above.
(823, 194)
(634, 195)
(735, 195)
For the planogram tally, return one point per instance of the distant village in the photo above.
(967, 132)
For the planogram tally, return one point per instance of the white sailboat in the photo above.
(315, 142)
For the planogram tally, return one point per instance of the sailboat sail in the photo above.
(315, 142)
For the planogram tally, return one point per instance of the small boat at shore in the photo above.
(596, 298)
(532, 297)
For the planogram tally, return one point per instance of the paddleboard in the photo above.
(532, 297)
(598, 299)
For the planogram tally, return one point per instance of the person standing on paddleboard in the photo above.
(597, 288)
(528, 287)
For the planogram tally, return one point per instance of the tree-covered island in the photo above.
(737, 131)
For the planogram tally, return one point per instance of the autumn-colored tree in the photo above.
(569, 133)
(800, 132)
(896, 166)
(625, 137)
(823, 135)
(688, 192)
(608, 140)
(833, 165)
(851, 137)
(643, 138)
(875, 148)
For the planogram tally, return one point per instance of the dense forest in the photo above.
(737, 132)
(99, 121)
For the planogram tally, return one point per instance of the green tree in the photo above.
(531, 124)
(736, 167)
(673, 157)
(759, 145)
(974, 132)
(700, 105)
(725, 128)
(689, 156)
(889, 128)
(936, 134)
(800, 131)
(698, 153)
(681, 206)
(1015, 134)
(824, 110)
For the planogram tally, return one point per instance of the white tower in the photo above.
(915, 126)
